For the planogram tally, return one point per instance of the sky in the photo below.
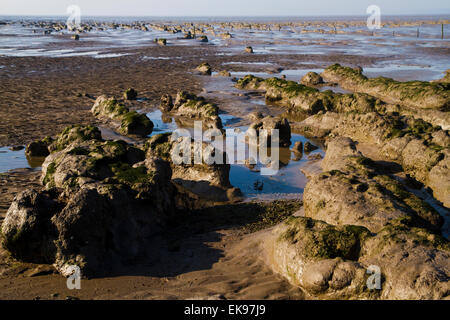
(222, 7)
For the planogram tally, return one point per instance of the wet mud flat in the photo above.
(227, 251)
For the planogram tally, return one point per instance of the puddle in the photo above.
(10, 160)
(288, 183)
(161, 123)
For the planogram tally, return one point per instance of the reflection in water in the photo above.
(287, 183)
(10, 160)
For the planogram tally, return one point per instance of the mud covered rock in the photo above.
(415, 144)
(420, 94)
(130, 94)
(101, 203)
(26, 231)
(309, 147)
(413, 261)
(131, 122)
(352, 191)
(320, 258)
(203, 39)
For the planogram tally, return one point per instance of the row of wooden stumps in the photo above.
(418, 32)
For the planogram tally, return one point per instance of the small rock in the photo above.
(258, 185)
(316, 156)
(130, 94)
(310, 147)
(16, 148)
(298, 147)
(37, 149)
(311, 79)
(204, 69)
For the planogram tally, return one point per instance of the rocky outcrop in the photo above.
(356, 219)
(204, 69)
(421, 149)
(270, 123)
(351, 191)
(209, 181)
(188, 106)
(311, 79)
(38, 148)
(130, 122)
(101, 203)
(419, 94)
(300, 98)
(336, 261)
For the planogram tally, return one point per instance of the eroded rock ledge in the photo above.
(354, 218)
(422, 150)
(102, 202)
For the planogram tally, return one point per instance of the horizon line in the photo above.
(229, 16)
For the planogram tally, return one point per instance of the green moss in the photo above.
(136, 123)
(423, 213)
(48, 179)
(321, 240)
(75, 133)
(78, 151)
(124, 173)
(402, 230)
(421, 94)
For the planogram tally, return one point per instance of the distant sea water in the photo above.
(221, 19)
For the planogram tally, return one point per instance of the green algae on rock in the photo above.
(419, 94)
(191, 107)
(131, 122)
(301, 98)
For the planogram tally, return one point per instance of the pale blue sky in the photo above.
(222, 8)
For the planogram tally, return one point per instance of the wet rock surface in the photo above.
(356, 218)
(101, 203)
(418, 94)
(189, 107)
(131, 122)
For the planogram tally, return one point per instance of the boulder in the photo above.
(128, 122)
(351, 191)
(38, 148)
(190, 107)
(130, 94)
(311, 79)
(204, 69)
(270, 123)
